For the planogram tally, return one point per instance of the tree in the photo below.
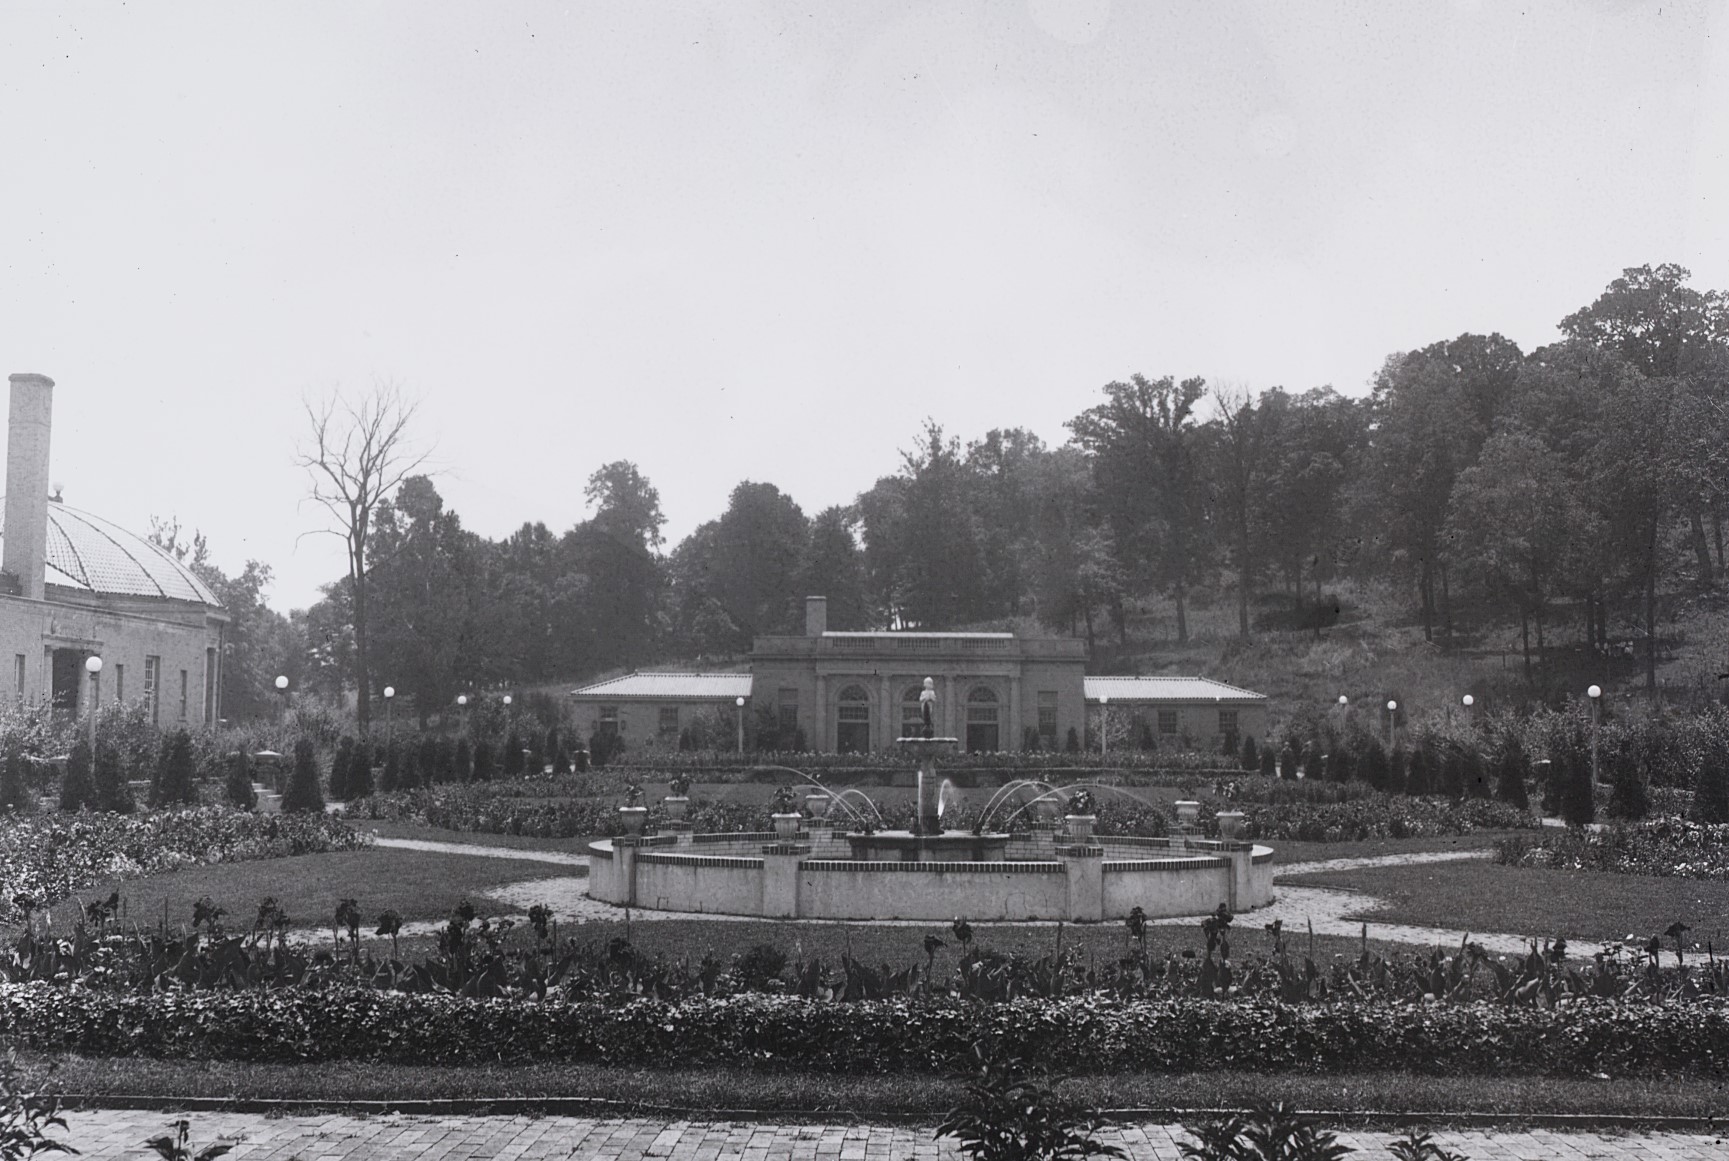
(15, 794)
(356, 455)
(611, 568)
(1512, 767)
(759, 543)
(512, 765)
(358, 784)
(834, 567)
(1145, 462)
(173, 782)
(341, 767)
(1237, 455)
(303, 794)
(484, 764)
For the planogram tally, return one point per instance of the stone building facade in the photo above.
(73, 586)
(859, 691)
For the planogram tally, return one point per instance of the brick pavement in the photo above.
(335, 1137)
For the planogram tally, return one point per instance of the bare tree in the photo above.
(356, 454)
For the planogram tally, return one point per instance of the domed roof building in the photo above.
(75, 586)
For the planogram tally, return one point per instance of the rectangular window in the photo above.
(1227, 723)
(788, 711)
(609, 719)
(1048, 716)
(210, 685)
(182, 695)
(119, 683)
(152, 683)
(1168, 722)
(669, 722)
(18, 664)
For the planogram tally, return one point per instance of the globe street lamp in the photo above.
(282, 688)
(389, 697)
(462, 710)
(1468, 701)
(1392, 724)
(93, 666)
(1595, 693)
(739, 703)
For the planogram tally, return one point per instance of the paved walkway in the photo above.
(113, 1134)
(563, 858)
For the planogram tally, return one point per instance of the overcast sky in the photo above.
(730, 241)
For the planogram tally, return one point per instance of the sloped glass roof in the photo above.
(87, 552)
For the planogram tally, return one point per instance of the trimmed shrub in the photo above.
(1374, 765)
(112, 792)
(1578, 795)
(77, 790)
(460, 767)
(485, 765)
(1711, 791)
(1072, 744)
(339, 768)
(1288, 762)
(1398, 770)
(173, 782)
(15, 793)
(358, 784)
(512, 763)
(1251, 759)
(1269, 763)
(1511, 769)
(303, 793)
(1419, 774)
(408, 771)
(390, 778)
(237, 789)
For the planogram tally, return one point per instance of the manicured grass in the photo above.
(421, 885)
(1485, 896)
(718, 1090)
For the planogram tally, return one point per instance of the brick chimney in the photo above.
(815, 614)
(24, 546)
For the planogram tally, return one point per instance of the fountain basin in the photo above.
(756, 875)
(903, 846)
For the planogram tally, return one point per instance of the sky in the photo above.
(763, 241)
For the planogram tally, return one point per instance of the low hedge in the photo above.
(1085, 1035)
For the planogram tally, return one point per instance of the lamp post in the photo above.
(389, 697)
(1392, 724)
(1104, 727)
(1595, 693)
(462, 711)
(282, 688)
(739, 704)
(93, 666)
(1468, 701)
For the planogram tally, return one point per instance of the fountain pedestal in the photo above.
(927, 819)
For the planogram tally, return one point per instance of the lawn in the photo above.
(421, 885)
(1484, 896)
(720, 1090)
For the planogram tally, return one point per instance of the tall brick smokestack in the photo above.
(24, 547)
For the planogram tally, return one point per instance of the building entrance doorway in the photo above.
(66, 671)
(982, 721)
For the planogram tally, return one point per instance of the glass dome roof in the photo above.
(89, 553)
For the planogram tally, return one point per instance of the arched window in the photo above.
(852, 733)
(982, 720)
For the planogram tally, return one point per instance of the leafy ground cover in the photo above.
(1661, 846)
(722, 1089)
(1483, 896)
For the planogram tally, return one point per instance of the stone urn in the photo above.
(1230, 824)
(676, 806)
(786, 826)
(1187, 812)
(1080, 827)
(818, 804)
(632, 818)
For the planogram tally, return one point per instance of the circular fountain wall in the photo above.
(1051, 872)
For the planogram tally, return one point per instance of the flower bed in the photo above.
(1086, 1034)
(1665, 846)
(46, 857)
(1374, 815)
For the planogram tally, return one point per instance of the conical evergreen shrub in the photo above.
(1287, 761)
(561, 755)
(1453, 772)
(238, 789)
(1511, 769)
(303, 793)
(112, 792)
(1251, 758)
(340, 766)
(408, 772)
(172, 785)
(359, 782)
(1419, 775)
(426, 759)
(485, 766)
(1269, 762)
(1398, 770)
(512, 764)
(461, 761)
(77, 790)
(1628, 800)
(15, 797)
(1373, 767)
(1578, 796)
(390, 778)
(1711, 791)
